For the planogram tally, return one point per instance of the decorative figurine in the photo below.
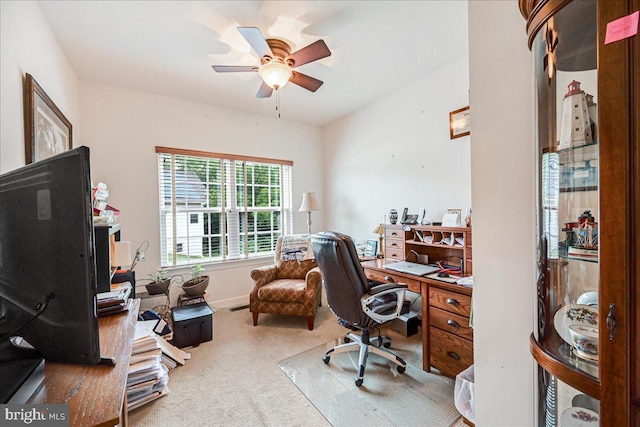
(393, 216)
(576, 123)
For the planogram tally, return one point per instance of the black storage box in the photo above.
(406, 325)
(192, 324)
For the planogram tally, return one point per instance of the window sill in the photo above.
(225, 265)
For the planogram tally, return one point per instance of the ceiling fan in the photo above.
(277, 63)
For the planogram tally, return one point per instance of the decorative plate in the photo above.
(579, 417)
(588, 298)
(575, 314)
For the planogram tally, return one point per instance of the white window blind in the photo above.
(217, 207)
(550, 201)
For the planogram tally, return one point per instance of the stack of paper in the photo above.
(147, 381)
(148, 377)
(151, 359)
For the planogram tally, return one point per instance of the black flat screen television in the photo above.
(47, 260)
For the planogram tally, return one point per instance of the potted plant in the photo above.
(198, 283)
(159, 283)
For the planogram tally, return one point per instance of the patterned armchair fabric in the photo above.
(286, 287)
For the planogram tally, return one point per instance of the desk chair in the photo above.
(358, 303)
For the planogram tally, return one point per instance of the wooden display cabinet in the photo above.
(587, 100)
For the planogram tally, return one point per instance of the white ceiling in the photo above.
(168, 48)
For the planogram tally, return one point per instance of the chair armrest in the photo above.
(378, 289)
(392, 288)
(263, 275)
(313, 278)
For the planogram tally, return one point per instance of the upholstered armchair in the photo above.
(286, 287)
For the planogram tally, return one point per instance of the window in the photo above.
(217, 207)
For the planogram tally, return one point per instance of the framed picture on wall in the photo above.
(47, 130)
(459, 123)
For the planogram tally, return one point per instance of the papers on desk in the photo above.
(466, 281)
(433, 237)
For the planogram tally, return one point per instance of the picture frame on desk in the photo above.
(371, 248)
(47, 131)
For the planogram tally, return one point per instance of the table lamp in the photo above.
(309, 204)
(121, 255)
(380, 232)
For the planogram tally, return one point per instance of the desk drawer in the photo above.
(450, 354)
(395, 255)
(452, 323)
(394, 233)
(450, 301)
(394, 244)
(414, 285)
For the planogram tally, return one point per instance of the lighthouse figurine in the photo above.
(593, 115)
(576, 124)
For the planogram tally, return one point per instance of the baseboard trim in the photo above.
(231, 302)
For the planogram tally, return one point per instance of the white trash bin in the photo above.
(464, 395)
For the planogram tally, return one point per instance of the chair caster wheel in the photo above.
(346, 340)
(326, 359)
(401, 369)
(358, 382)
(386, 344)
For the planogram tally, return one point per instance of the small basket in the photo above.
(157, 288)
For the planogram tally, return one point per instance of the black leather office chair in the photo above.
(356, 301)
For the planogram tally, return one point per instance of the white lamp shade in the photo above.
(275, 74)
(309, 203)
(121, 254)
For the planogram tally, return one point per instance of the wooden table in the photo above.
(435, 296)
(96, 394)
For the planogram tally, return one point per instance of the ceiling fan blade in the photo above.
(305, 81)
(234, 68)
(265, 91)
(256, 40)
(313, 52)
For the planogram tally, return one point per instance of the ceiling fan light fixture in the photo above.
(275, 74)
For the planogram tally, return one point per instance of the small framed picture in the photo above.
(372, 248)
(47, 130)
(459, 123)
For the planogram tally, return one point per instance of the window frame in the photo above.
(169, 256)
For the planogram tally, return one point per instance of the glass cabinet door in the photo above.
(565, 62)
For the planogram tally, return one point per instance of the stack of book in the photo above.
(115, 301)
(151, 359)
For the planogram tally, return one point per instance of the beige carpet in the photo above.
(235, 379)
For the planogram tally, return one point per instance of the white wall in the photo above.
(29, 46)
(397, 153)
(122, 127)
(503, 192)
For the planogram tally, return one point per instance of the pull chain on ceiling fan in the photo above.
(277, 63)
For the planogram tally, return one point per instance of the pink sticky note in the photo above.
(622, 28)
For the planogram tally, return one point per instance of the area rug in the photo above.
(386, 398)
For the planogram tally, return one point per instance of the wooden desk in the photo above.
(447, 341)
(96, 395)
